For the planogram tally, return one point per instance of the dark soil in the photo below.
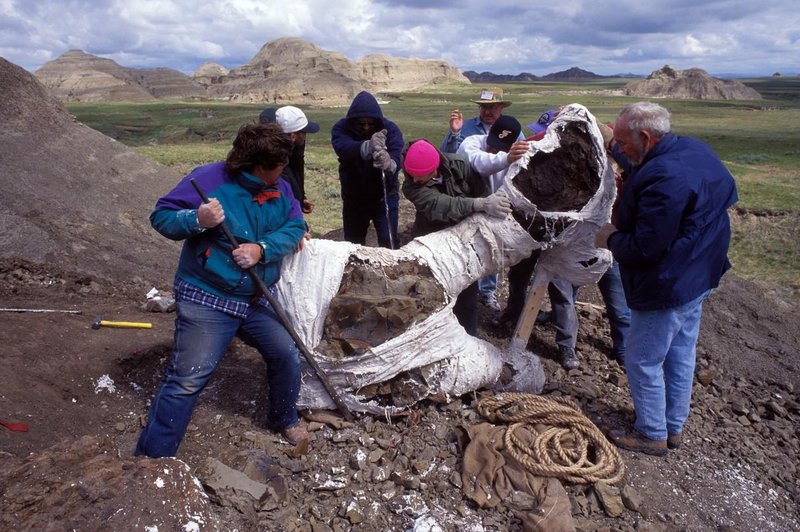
(737, 469)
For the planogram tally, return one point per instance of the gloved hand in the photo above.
(378, 140)
(381, 159)
(497, 205)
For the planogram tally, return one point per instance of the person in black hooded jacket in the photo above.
(369, 147)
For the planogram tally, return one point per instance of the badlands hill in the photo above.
(77, 198)
(692, 83)
(78, 76)
(283, 70)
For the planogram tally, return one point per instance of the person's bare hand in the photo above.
(247, 255)
(308, 206)
(518, 149)
(601, 238)
(302, 243)
(210, 214)
(456, 121)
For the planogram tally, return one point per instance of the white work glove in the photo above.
(378, 140)
(497, 205)
(381, 159)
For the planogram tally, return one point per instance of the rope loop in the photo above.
(565, 443)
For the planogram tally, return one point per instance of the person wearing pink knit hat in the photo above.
(445, 189)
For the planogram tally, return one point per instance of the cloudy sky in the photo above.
(745, 37)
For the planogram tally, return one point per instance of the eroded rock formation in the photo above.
(692, 83)
(287, 70)
(394, 73)
(81, 77)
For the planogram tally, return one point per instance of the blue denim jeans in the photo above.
(356, 219)
(619, 315)
(202, 334)
(563, 314)
(660, 363)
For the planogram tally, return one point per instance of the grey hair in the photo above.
(645, 116)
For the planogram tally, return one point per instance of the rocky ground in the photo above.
(84, 394)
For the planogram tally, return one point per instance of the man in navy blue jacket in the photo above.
(671, 242)
(368, 146)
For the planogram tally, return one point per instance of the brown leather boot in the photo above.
(296, 434)
(674, 441)
(637, 442)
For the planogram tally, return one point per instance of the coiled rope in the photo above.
(569, 446)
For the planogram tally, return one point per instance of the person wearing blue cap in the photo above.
(542, 123)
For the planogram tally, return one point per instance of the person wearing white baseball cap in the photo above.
(294, 123)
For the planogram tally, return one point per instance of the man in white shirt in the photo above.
(491, 155)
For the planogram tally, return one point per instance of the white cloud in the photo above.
(503, 36)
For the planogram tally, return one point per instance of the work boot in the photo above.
(569, 360)
(674, 441)
(637, 442)
(296, 434)
(489, 300)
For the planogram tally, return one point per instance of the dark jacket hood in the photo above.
(365, 106)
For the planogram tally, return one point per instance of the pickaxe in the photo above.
(262, 287)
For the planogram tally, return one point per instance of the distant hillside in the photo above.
(692, 83)
(573, 73)
(488, 77)
(287, 70)
(78, 76)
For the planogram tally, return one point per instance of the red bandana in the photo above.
(265, 195)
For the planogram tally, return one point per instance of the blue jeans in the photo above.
(356, 219)
(202, 334)
(660, 362)
(562, 301)
(563, 314)
(619, 315)
(487, 285)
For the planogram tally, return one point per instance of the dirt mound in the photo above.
(692, 83)
(74, 196)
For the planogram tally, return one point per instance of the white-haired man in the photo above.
(671, 242)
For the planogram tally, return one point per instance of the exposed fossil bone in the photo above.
(380, 321)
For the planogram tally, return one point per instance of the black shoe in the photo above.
(569, 360)
(674, 441)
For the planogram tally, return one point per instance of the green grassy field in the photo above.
(758, 140)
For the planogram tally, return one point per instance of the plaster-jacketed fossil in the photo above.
(380, 321)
